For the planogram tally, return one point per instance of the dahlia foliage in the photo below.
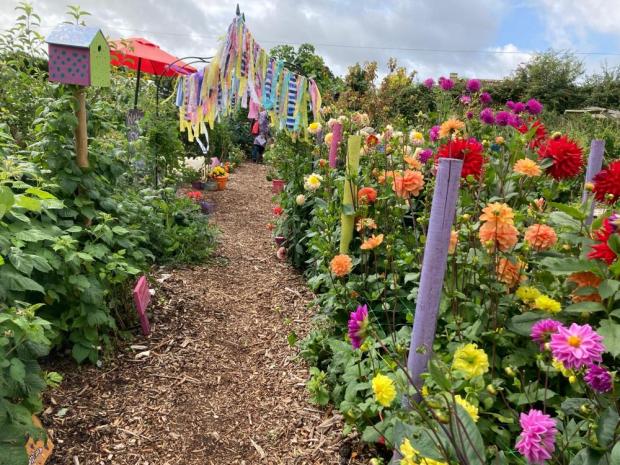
(525, 357)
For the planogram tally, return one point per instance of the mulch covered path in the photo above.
(216, 382)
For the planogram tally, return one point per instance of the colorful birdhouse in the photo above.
(79, 55)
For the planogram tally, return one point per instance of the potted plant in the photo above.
(220, 176)
(277, 185)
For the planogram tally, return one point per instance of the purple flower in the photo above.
(537, 439)
(533, 106)
(446, 83)
(473, 85)
(358, 322)
(465, 99)
(514, 120)
(510, 104)
(502, 118)
(599, 379)
(429, 83)
(542, 331)
(518, 107)
(577, 346)
(486, 116)
(485, 98)
(469, 114)
(433, 133)
(425, 155)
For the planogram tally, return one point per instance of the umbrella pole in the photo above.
(135, 98)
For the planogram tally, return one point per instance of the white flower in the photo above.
(313, 181)
(300, 199)
(416, 137)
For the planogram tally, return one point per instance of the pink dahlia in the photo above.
(533, 106)
(599, 379)
(429, 83)
(577, 346)
(358, 323)
(487, 117)
(446, 83)
(537, 439)
(433, 133)
(542, 331)
(473, 85)
(425, 155)
(485, 98)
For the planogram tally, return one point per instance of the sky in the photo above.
(474, 38)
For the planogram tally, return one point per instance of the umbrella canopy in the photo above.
(140, 54)
(145, 56)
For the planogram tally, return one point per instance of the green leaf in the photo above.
(567, 265)
(607, 426)
(80, 352)
(585, 307)
(564, 220)
(39, 193)
(467, 436)
(17, 370)
(15, 281)
(29, 203)
(608, 288)
(7, 199)
(438, 375)
(522, 324)
(615, 455)
(610, 330)
(571, 211)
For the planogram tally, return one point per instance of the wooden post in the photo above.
(347, 221)
(595, 163)
(333, 148)
(81, 133)
(434, 262)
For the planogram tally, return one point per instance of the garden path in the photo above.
(216, 382)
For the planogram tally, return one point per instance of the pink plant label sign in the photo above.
(142, 298)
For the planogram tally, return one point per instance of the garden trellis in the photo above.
(242, 74)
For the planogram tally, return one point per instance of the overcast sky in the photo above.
(476, 38)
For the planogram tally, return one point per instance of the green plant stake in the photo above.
(347, 217)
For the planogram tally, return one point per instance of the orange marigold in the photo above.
(585, 279)
(508, 272)
(409, 183)
(452, 125)
(341, 265)
(527, 167)
(372, 242)
(498, 235)
(454, 240)
(540, 237)
(499, 213)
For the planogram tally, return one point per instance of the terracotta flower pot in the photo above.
(221, 182)
(277, 186)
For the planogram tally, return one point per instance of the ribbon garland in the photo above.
(242, 74)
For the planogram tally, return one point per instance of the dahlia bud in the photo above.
(443, 418)
(466, 216)
(491, 389)
(556, 135)
(585, 409)
(485, 143)
(572, 379)
(609, 196)
(510, 372)
(300, 199)
(589, 186)
(566, 247)
(499, 140)
(547, 346)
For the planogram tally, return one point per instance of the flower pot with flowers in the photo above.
(220, 176)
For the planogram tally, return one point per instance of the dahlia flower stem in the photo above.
(595, 163)
(333, 148)
(349, 191)
(434, 264)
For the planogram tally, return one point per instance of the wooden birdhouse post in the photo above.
(79, 55)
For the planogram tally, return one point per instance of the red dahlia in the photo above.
(470, 151)
(607, 181)
(539, 136)
(602, 251)
(567, 157)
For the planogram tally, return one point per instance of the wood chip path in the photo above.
(216, 383)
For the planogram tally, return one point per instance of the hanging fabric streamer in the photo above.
(242, 75)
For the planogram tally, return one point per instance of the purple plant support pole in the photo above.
(595, 163)
(434, 262)
(333, 148)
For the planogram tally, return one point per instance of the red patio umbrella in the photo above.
(145, 56)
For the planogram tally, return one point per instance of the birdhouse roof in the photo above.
(73, 35)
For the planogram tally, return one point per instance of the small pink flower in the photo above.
(577, 346)
(358, 322)
(599, 379)
(281, 253)
(537, 439)
(542, 331)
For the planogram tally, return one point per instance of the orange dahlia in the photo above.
(409, 183)
(499, 213)
(450, 126)
(372, 242)
(508, 272)
(540, 237)
(367, 195)
(341, 265)
(582, 280)
(365, 223)
(413, 162)
(527, 167)
(496, 235)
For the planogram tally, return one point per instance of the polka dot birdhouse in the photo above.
(78, 55)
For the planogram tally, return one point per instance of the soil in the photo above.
(216, 382)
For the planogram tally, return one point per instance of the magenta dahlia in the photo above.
(537, 439)
(542, 331)
(599, 379)
(577, 346)
(358, 323)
